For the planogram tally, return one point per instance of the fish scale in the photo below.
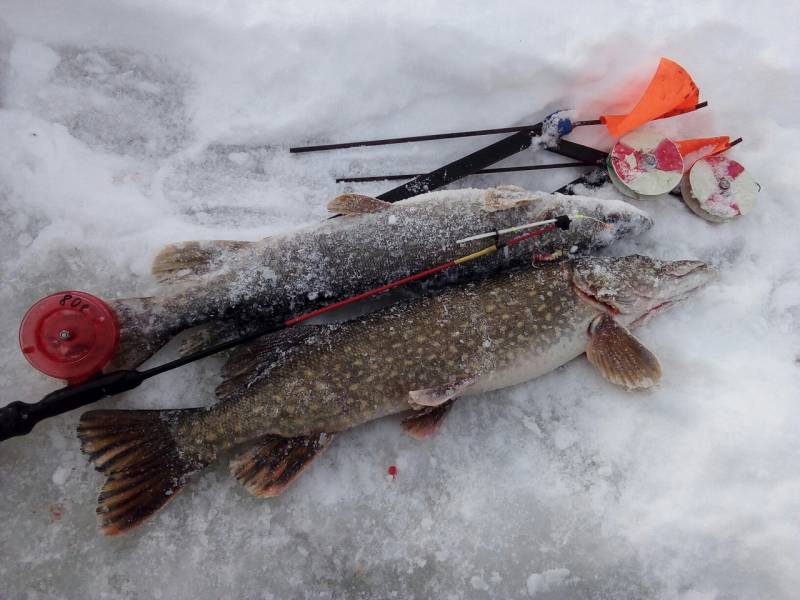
(499, 332)
(290, 393)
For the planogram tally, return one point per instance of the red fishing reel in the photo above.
(69, 335)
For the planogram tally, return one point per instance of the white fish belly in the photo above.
(538, 362)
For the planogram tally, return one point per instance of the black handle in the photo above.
(465, 166)
(18, 418)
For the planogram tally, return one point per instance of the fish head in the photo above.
(595, 223)
(632, 288)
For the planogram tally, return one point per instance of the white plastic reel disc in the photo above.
(719, 189)
(645, 163)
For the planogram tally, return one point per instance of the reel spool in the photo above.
(644, 163)
(719, 189)
(69, 335)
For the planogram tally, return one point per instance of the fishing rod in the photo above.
(452, 135)
(590, 157)
(670, 92)
(586, 156)
(481, 172)
(554, 126)
(19, 418)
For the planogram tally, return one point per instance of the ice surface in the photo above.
(113, 121)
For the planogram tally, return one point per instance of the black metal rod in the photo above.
(215, 349)
(19, 418)
(415, 138)
(481, 172)
(578, 151)
(465, 166)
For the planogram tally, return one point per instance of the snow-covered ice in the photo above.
(121, 129)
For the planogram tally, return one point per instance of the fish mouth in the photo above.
(655, 310)
(686, 278)
(593, 300)
(677, 281)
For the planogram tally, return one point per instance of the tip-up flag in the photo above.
(695, 149)
(670, 92)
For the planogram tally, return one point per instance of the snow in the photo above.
(124, 126)
(539, 583)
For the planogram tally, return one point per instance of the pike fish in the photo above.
(229, 284)
(290, 393)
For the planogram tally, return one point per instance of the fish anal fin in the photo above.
(620, 357)
(424, 423)
(269, 467)
(356, 204)
(436, 396)
(145, 469)
(186, 261)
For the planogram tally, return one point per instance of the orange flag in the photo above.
(706, 145)
(670, 92)
(695, 149)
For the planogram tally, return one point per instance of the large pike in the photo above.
(374, 242)
(289, 393)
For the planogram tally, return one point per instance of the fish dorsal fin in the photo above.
(620, 357)
(269, 467)
(436, 396)
(249, 361)
(424, 423)
(356, 204)
(267, 349)
(505, 197)
(186, 261)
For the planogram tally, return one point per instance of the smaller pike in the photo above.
(290, 393)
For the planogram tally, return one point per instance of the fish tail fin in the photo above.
(146, 325)
(145, 468)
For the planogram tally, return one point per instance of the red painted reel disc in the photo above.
(69, 335)
(644, 163)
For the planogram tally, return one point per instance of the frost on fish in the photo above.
(375, 242)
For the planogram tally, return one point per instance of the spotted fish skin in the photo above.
(280, 276)
(290, 393)
(495, 333)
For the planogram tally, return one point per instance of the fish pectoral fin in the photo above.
(505, 197)
(208, 334)
(269, 467)
(620, 357)
(356, 204)
(424, 423)
(436, 396)
(186, 261)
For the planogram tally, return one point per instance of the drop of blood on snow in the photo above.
(392, 471)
